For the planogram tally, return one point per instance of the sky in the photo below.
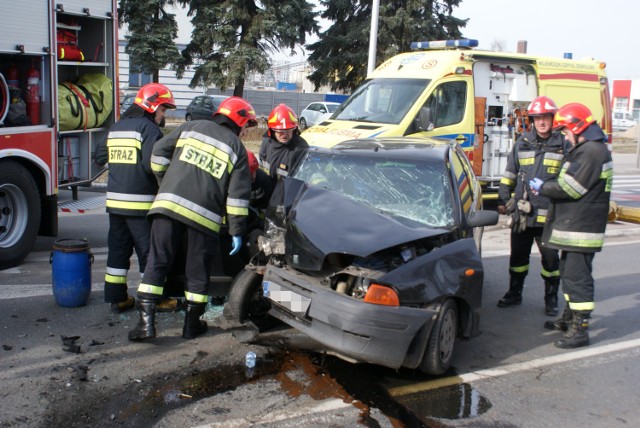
(586, 28)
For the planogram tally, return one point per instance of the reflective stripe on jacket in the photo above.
(580, 199)
(127, 149)
(531, 158)
(204, 177)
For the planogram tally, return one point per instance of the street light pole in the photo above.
(373, 36)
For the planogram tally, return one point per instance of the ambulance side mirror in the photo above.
(423, 121)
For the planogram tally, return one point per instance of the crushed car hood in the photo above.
(321, 222)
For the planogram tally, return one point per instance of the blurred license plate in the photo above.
(291, 300)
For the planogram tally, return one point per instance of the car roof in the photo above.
(397, 147)
(323, 102)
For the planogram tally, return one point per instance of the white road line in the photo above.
(18, 291)
(515, 368)
(325, 406)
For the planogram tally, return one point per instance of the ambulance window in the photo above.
(382, 100)
(447, 103)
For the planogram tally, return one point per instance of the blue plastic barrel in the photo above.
(71, 261)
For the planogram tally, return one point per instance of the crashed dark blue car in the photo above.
(372, 250)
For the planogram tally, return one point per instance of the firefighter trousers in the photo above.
(126, 233)
(521, 244)
(577, 280)
(167, 237)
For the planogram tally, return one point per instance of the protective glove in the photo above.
(237, 244)
(536, 184)
(510, 206)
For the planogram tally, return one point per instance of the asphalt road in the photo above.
(511, 375)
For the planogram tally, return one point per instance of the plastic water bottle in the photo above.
(250, 364)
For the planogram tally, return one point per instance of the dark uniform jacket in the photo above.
(278, 159)
(532, 157)
(580, 196)
(204, 177)
(132, 186)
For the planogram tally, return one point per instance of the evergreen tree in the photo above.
(152, 31)
(340, 57)
(233, 37)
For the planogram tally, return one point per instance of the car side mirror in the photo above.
(423, 120)
(483, 218)
(323, 110)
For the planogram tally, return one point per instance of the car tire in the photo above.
(246, 300)
(440, 347)
(303, 124)
(188, 118)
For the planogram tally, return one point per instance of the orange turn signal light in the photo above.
(469, 272)
(381, 295)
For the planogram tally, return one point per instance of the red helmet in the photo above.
(239, 111)
(573, 116)
(153, 95)
(282, 118)
(542, 105)
(253, 162)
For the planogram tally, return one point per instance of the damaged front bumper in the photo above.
(348, 327)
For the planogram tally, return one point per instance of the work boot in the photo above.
(578, 333)
(146, 328)
(193, 325)
(551, 296)
(514, 295)
(168, 304)
(128, 304)
(561, 323)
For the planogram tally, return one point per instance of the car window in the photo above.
(333, 107)
(413, 190)
(463, 174)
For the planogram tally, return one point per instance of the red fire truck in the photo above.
(47, 48)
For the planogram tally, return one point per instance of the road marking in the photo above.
(325, 406)
(515, 368)
(18, 291)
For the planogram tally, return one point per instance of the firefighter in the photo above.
(261, 185)
(537, 153)
(131, 188)
(577, 217)
(282, 146)
(204, 176)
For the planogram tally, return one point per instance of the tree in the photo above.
(340, 57)
(152, 31)
(231, 38)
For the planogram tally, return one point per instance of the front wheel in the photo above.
(439, 353)
(188, 118)
(19, 213)
(246, 299)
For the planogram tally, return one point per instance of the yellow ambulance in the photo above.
(447, 89)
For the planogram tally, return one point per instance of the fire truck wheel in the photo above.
(19, 213)
(246, 300)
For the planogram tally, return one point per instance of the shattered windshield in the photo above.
(414, 190)
(382, 100)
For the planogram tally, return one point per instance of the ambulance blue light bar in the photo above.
(440, 44)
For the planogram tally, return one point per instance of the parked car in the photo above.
(315, 113)
(126, 102)
(373, 252)
(203, 107)
(622, 120)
